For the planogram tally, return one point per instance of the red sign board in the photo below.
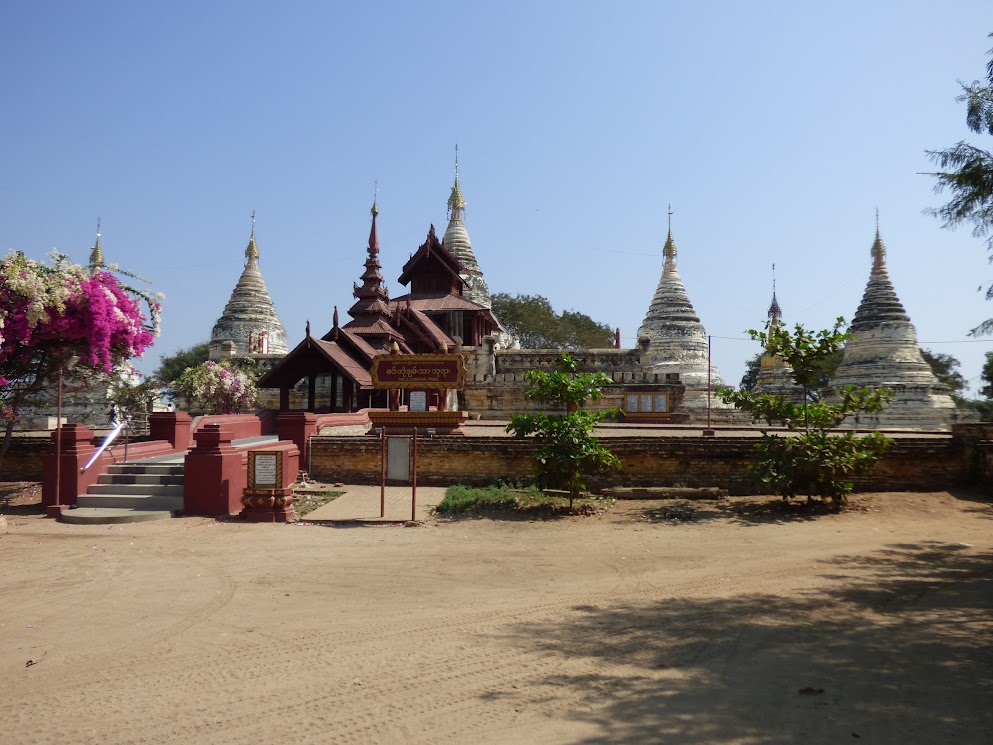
(434, 371)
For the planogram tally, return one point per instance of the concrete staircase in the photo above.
(131, 493)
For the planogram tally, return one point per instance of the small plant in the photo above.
(568, 450)
(814, 461)
(503, 497)
(308, 501)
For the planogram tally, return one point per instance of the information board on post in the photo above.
(265, 471)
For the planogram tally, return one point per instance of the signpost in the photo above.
(421, 371)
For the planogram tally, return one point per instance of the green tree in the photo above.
(532, 319)
(812, 460)
(751, 376)
(825, 369)
(568, 450)
(987, 376)
(945, 369)
(968, 174)
(171, 366)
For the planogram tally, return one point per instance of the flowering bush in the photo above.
(53, 312)
(62, 308)
(218, 389)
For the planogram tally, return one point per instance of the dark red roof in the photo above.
(315, 357)
(432, 247)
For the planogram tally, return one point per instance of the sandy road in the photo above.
(730, 627)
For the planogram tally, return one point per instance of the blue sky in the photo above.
(775, 130)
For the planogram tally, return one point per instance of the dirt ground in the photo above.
(677, 622)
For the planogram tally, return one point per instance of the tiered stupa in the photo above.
(456, 240)
(775, 374)
(677, 341)
(883, 353)
(249, 324)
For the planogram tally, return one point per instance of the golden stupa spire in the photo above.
(878, 250)
(375, 199)
(775, 312)
(96, 254)
(455, 201)
(669, 249)
(252, 251)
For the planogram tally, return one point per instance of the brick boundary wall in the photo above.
(25, 459)
(911, 464)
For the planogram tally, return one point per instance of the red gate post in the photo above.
(413, 477)
(75, 448)
(215, 474)
(382, 476)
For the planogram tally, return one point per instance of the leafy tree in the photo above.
(751, 376)
(218, 389)
(987, 376)
(532, 319)
(56, 316)
(812, 461)
(171, 366)
(945, 369)
(568, 450)
(825, 369)
(969, 174)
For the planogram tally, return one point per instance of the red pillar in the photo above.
(76, 448)
(173, 426)
(297, 426)
(215, 474)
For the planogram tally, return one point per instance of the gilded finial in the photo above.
(96, 255)
(455, 201)
(878, 249)
(775, 312)
(375, 199)
(669, 249)
(252, 251)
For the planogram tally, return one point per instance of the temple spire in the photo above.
(457, 242)
(372, 298)
(96, 254)
(456, 204)
(252, 251)
(878, 250)
(775, 312)
(373, 232)
(669, 249)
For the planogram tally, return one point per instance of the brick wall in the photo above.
(24, 459)
(912, 464)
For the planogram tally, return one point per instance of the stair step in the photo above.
(141, 478)
(132, 501)
(170, 490)
(148, 468)
(103, 516)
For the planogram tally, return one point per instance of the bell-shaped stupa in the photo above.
(249, 324)
(775, 375)
(456, 240)
(677, 341)
(883, 353)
